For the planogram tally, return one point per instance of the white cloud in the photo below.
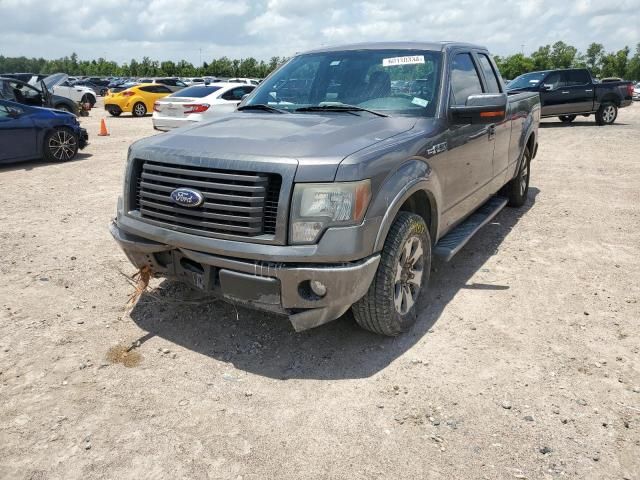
(176, 29)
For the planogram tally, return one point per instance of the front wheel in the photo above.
(607, 114)
(390, 305)
(567, 118)
(60, 145)
(139, 110)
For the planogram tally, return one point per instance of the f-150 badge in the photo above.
(437, 148)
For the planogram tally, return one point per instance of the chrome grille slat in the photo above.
(249, 178)
(186, 182)
(237, 203)
(213, 196)
(189, 213)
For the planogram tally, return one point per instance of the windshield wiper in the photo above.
(261, 106)
(338, 108)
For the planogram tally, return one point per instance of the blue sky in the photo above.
(175, 29)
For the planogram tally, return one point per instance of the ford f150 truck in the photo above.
(335, 194)
(568, 93)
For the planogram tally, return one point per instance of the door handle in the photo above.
(564, 93)
(589, 91)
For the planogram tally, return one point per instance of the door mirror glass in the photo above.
(485, 108)
(546, 87)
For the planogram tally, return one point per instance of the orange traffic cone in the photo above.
(103, 129)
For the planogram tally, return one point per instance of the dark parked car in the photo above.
(568, 93)
(121, 87)
(98, 85)
(337, 196)
(28, 133)
(26, 94)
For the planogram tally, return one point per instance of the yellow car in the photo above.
(138, 99)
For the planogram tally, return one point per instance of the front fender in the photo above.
(413, 176)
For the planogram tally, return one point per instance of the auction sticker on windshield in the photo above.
(410, 60)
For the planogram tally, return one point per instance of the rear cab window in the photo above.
(578, 78)
(465, 79)
(493, 84)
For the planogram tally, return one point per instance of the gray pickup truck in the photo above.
(334, 183)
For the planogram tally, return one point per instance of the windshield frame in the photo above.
(432, 110)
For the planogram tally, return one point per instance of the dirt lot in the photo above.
(525, 365)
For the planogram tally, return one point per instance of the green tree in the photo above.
(593, 58)
(512, 66)
(542, 58)
(563, 55)
(633, 67)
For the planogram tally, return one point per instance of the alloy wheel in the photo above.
(524, 176)
(408, 279)
(609, 114)
(62, 145)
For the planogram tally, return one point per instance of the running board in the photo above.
(457, 238)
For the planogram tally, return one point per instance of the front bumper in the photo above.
(83, 138)
(164, 124)
(277, 287)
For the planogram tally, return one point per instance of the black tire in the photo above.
(60, 145)
(379, 310)
(607, 114)
(114, 113)
(90, 99)
(139, 109)
(567, 118)
(518, 188)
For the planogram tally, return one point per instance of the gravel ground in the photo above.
(525, 364)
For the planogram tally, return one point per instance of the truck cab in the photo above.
(334, 183)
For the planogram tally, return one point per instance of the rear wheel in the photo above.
(139, 110)
(567, 118)
(607, 114)
(518, 188)
(60, 145)
(390, 305)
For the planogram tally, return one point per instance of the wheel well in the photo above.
(420, 204)
(611, 98)
(531, 144)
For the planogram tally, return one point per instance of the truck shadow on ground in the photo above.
(264, 344)
(585, 123)
(38, 163)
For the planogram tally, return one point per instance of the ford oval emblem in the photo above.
(187, 197)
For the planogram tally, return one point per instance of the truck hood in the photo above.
(313, 139)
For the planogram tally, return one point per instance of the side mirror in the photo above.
(546, 87)
(483, 108)
(14, 112)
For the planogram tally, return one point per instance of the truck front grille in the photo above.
(236, 203)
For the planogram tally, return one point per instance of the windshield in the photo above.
(389, 81)
(198, 91)
(528, 80)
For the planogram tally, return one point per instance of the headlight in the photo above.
(317, 206)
